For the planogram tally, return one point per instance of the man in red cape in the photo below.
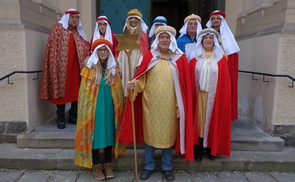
(163, 104)
(231, 48)
(66, 49)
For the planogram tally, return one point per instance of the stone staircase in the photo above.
(245, 137)
(50, 148)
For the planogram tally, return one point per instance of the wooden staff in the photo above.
(128, 53)
(128, 42)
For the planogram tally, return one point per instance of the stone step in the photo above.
(244, 137)
(12, 157)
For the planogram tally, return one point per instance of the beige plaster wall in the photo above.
(256, 97)
(12, 58)
(285, 96)
(24, 31)
(266, 37)
(12, 55)
(232, 10)
(38, 111)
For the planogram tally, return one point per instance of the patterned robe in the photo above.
(86, 115)
(56, 58)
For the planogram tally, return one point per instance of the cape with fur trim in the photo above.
(219, 137)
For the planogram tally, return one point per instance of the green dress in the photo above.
(104, 125)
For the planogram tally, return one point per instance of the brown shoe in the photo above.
(109, 170)
(97, 172)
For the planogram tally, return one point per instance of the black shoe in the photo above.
(168, 174)
(211, 157)
(146, 174)
(198, 153)
(73, 113)
(60, 114)
(72, 120)
(60, 123)
(208, 152)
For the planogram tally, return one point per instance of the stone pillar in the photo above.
(266, 36)
(24, 29)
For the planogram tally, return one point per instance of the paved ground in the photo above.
(8, 175)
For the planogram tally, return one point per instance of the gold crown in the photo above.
(192, 17)
(166, 28)
(135, 12)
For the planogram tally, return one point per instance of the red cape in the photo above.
(126, 134)
(233, 65)
(219, 137)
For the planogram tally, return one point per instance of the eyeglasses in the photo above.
(102, 24)
(218, 18)
(102, 50)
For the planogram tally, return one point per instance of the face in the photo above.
(133, 21)
(208, 42)
(192, 27)
(158, 25)
(102, 26)
(164, 42)
(103, 53)
(73, 20)
(216, 22)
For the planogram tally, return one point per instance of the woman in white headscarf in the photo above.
(211, 96)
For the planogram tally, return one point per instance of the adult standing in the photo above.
(103, 30)
(231, 48)
(189, 32)
(211, 96)
(133, 25)
(158, 21)
(100, 111)
(66, 49)
(163, 104)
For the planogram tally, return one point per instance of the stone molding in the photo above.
(36, 15)
(271, 17)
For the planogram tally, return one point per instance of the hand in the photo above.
(130, 85)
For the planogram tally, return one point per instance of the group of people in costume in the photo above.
(183, 89)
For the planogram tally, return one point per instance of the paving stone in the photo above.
(64, 176)
(12, 176)
(259, 177)
(231, 176)
(283, 177)
(40, 176)
(204, 177)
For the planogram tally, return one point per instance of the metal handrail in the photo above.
(267, 74)
(12, 73)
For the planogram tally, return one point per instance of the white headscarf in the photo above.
(108, 34)
(204, 79)
(93, 59)
(144, 27)
(65, 23)
(228, 40)
(200, 51)
(173, 45)
(183, 30)
(158, 20)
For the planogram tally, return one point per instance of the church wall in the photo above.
(24, 29)
(265, 34)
